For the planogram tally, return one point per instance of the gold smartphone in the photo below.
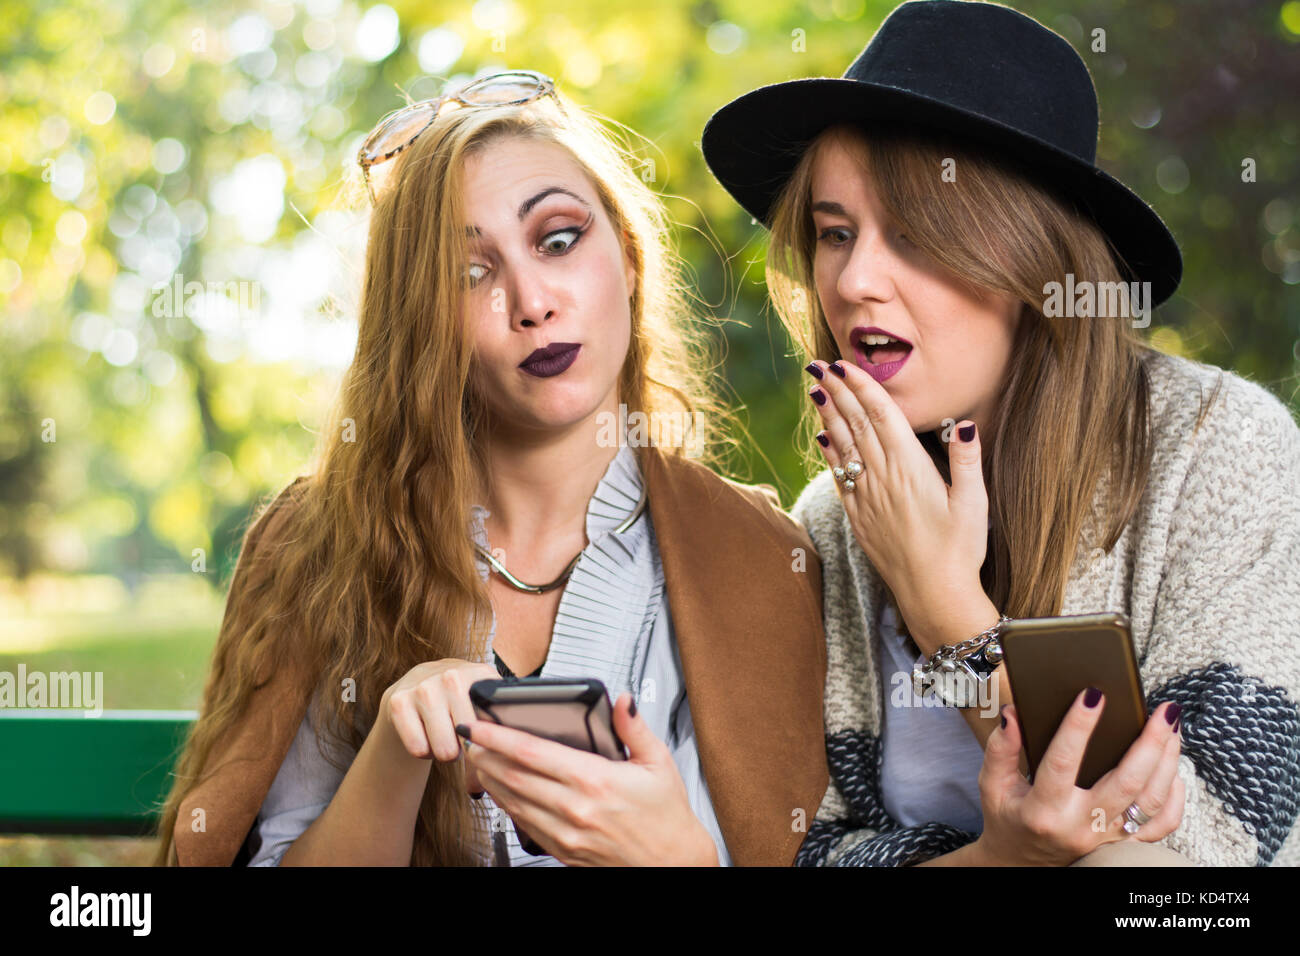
(1051, 660)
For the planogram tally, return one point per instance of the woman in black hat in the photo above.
(964, 283)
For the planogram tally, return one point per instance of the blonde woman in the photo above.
(994, 455)
(481, 515)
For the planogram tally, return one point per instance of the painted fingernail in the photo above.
(967, 432)
(631, 708)
(838, 369)
(463, 731)
(818, 396)
(1172, 712)
(813, 370)
(1091, 698)
(1002, 712)
(1178, 726)
(479, 795)
(823, 439)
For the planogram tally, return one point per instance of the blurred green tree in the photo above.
(146, 142)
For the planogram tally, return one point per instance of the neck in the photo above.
(982, 420)
(542, 482)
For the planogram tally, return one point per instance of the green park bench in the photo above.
(62, 772)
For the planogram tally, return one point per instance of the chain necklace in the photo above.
(518, 585)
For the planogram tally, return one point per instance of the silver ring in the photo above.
(1134, 818)
(845, 475)
(1135, 813)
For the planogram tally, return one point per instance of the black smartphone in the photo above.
(1051, 660)
(575, 712)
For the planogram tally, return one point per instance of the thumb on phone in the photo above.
(1002, 753)
(642, 745)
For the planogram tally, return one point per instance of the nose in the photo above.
(534, 299)
(868, 273)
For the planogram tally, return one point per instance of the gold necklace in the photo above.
(518, 585)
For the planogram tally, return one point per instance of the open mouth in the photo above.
(881, 354)
(878, 352)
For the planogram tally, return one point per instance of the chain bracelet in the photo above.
(955, 650)
(948, 653)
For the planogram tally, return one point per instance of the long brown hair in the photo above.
(374, 571)
(1074, 410)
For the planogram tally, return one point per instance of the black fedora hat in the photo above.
(978, 72)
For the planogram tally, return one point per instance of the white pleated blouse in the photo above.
(613, 623)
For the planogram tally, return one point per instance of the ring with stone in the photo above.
(847, 474)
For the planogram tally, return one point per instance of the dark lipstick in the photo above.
(551, 360)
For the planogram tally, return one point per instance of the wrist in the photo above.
(949, 621)
(388, 748)
(706, 853)
(978, 854)
(972, 854)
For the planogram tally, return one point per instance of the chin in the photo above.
(924, 424)
(556, 413)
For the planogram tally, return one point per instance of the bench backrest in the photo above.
(62, 772)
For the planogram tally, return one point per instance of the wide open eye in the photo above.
(555, 245)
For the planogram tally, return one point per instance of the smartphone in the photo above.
(574, 712)
(1051, 660)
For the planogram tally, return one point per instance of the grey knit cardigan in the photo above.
(1208, 572)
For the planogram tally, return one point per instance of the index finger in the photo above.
(458, 684)
(1057, 772)
(545, 757)
(868, 408)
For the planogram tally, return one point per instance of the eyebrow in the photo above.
(527, 205)
(834, 208)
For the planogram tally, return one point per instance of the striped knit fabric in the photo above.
(1207, 572)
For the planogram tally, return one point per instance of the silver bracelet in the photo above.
(972, 659)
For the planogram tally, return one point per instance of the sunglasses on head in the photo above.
(403, 127)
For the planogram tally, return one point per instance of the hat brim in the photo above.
(753, 144)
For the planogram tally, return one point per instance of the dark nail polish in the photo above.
(1172, 712)
(1002, 712)
(818, 396)
(1091, 698)
(823, 440)
(1178, 725)
(631, 708)
(814, 371)
(838, 369)
(967, 432)
(479, 795)
(463, 731)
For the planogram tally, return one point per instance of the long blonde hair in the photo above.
(1074, 409)
(374, 571)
